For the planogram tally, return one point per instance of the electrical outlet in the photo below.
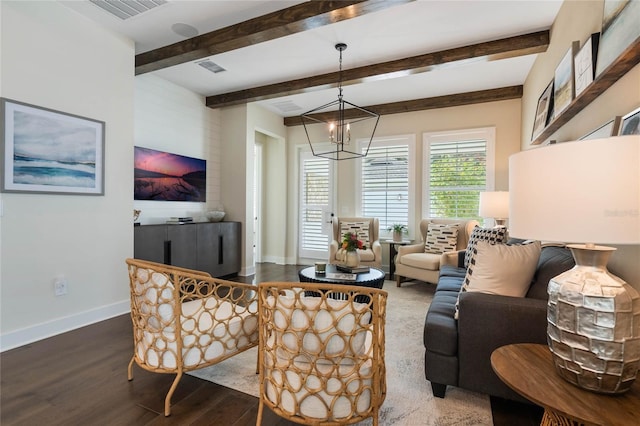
(60, 287)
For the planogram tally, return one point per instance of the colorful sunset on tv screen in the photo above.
(162, 176)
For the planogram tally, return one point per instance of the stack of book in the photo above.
(180, 220)
(352, 270)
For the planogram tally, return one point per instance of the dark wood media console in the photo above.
(213, 247)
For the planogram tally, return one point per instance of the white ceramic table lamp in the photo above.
(495, 205)
(585, 192)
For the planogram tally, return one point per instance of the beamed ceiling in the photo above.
(389, 67)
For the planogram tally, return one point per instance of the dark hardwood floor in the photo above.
(80, 378)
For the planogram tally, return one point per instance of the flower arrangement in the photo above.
(350, 242)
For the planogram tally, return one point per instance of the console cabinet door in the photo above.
(208, 243)
(229, 254)
(183, 245)
(149, 242)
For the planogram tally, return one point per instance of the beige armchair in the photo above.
(184, 319)
(413, 262)
(367, 229)
(322, 351)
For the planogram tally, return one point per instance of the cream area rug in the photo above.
(409, 398)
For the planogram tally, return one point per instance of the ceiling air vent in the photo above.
(286, 106)
(125, 9)
(211, 66)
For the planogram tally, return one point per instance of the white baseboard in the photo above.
(41, 331)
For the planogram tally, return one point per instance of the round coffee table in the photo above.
(373, 278)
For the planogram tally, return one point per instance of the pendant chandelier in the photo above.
(342, 126)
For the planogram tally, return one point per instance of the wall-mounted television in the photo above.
(162, 176)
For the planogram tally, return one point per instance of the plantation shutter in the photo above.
(315, 202)
(457, 174)
(385, 184)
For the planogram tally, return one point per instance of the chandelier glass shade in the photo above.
(343, 123)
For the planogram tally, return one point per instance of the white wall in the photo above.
(576, 20)
(173, 119)
(54, 58)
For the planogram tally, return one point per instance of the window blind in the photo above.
(385, 184)
(315, 195)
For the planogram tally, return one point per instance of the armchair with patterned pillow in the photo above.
(440, 239)
(366, 228)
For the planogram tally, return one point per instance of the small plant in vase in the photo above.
(398, 229)
(350, 245)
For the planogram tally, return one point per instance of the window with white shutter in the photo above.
(386, 186)
(457, 167)
(315, 206)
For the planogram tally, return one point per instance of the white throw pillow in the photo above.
(501, 269)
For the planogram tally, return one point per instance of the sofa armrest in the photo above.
(376, 248)
(487, 322)
(333, 249)
(452, 258)
(411, 248)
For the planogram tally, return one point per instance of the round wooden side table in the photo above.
(528, 369)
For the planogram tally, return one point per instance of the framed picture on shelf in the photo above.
(544, 111)
(563, 87)
(630, 123)
(620, 29)
(48, 151)
(610, 128)
(585, 63)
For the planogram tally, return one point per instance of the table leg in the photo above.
(392, 260)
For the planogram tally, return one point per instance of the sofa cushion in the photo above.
(440, 328)
(492, 235)
(360, 228)
(452, 271)
(441, 238)
(553, 261)
(428, 261)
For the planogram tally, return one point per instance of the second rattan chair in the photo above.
(321, 352)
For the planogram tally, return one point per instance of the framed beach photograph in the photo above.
(630, 123)
(48, 151)
(585, 63)
(544, 111)
(563, 88)
(620, 29)
(608, 129)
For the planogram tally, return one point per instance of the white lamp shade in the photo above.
(577, 192)
(494, 204)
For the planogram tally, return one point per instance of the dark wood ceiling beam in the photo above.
(302, 17)
(469, 98)
(488, 51)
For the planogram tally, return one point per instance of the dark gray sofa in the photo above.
(458, 351)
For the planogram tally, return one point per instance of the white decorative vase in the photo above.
(397, 236)
(594, 324)
(352, 258)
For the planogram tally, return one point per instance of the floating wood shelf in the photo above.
(623, 64)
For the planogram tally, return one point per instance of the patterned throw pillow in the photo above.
(361, 229)
(492, 235)
(441, 238)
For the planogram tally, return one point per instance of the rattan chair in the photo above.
(184, 320)
(321, 353)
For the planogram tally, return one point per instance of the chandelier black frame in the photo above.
(339, 122)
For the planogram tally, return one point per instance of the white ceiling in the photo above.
(394, 33)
